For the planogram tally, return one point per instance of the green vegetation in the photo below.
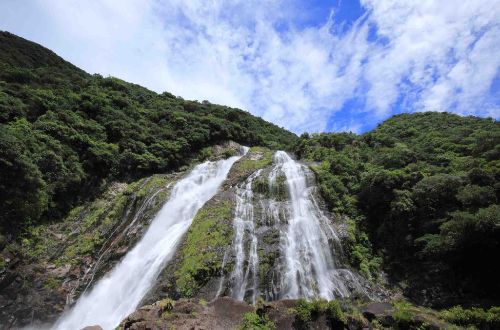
(260, 158)
(308, 311)
(166, 306)
(277, 190)
(203, 250)
(52, 283)
(422, 192)
(403, 313)
(65, 134)
(254, 321)
(86, 227)
(474, 317)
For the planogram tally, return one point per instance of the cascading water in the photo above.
(120, 292)
(309, 269)
(244, 226)
(283, 244)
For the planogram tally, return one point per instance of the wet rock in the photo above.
(376, 310)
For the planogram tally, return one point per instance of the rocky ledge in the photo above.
(227, 313)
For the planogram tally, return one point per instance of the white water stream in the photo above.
(244, 226)
(309, 262)
(120, 292)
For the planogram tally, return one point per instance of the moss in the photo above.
(51, 283)
(257, 157)
(203, 302)
(94, 220)
(279, 190)
(151, 184)
(202, 252)
(261, 186)
(267, 262)
(271, 237)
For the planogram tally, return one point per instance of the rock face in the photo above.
(54, 265)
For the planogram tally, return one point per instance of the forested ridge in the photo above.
(422, 192)
(65, 134)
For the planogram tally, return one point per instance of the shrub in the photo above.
(252, 321)
(402, 313)
(307, 311)
(478, 317)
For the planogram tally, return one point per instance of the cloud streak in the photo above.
(260, 56)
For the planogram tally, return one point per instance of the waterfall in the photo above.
(309, 269)
(244, 226)
(120, 292)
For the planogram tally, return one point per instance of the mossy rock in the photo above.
(202, 252)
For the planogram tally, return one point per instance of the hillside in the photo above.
(423, 192)
(65, 134)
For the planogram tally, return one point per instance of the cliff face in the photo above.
(56, 263)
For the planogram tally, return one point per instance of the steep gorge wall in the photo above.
(55, 263)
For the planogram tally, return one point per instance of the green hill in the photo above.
(64, 134)
(423, 190)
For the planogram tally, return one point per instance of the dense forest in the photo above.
(65, 134)
(422, 193)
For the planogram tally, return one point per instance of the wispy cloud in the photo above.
(262, 57)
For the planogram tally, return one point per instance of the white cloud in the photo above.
(447, 50)
(426, 55)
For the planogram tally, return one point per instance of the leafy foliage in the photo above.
(254, 321)
(422, 191)
(308, 311)
(476, 317)
(65, 134)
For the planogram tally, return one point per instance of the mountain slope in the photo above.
(65, 134)
(423, 190)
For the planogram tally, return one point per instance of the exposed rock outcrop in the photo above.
(227, 313)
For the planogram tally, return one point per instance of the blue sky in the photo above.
(340, 65)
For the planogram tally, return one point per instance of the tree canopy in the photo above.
(64, 134)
